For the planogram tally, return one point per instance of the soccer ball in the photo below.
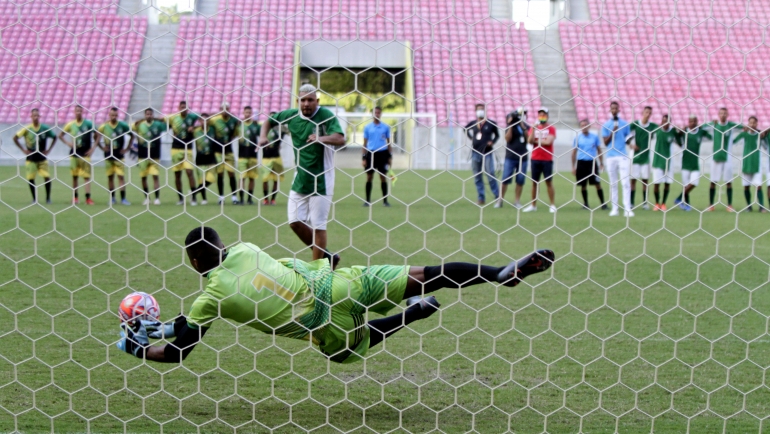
(138, 306)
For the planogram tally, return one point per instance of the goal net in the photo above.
(653, 317)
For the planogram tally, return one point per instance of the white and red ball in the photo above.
(139, 306)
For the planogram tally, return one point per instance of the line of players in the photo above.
(212, 136)
(648, 139)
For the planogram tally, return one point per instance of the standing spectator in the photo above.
(36, 148)
(377, 155)
(721, 159)
(751, 166)
(515, 153)
(661, 162)
(541, 137)
(690, 139)
(585, 153)
(640, 166)
(615, 132)
(483, 134)
(315, 134)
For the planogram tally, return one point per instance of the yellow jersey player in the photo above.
(182, 125)
(307, 301)
(78, 135)
(271, 168)
(112, 137)
(148, 132)
(205, 159)
(224, 127)
(248, 136)
(36, 148)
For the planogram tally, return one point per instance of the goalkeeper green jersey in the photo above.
(81, 134)
(643, 136)
(723, 138)
(315, 161)
(269, 295)
(663, 141)
(751, 155)
(691, 141)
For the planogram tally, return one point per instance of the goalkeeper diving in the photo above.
(307, 300)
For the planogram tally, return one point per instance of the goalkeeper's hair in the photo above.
(203, 242)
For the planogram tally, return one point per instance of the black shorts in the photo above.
(377, 161)
(587, 172)
(179, 144)
(541, 168)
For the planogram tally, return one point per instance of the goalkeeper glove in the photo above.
(133, 342)
(159, 330)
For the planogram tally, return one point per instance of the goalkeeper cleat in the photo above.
(428, 305)
(533, 263)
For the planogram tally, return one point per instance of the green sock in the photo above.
(729, 196)
(712, 195)
(760, 198)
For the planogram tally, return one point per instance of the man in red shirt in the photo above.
(541, 137)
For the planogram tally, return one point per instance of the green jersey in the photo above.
(204, 147)
(269, 295)
(723, 139)
(180, 125)
(643, 138)
(691, 141)
(115, 137)
(248, 137)
(315, 161)
(148, 138)
(663, 141)
(224, 131)
(36, 140)
(81, 134)
(751, 155)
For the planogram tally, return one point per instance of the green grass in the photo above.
(655, 324)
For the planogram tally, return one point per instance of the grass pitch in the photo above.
(654, 324)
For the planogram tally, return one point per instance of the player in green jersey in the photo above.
(248, 137)
(307, 301)
(148, 132)
(723, 131)
(661, 162)
(114, 135)
(79, 136)
(182, 125)
(642, 131)
(690, 139)
(315, 133)
(205, 159)
(36, 148)
(224, 127)
(751, 166)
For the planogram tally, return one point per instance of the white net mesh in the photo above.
(651, 323)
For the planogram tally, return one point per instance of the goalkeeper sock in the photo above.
(633, 197)
(712, 195)
(584, 192)
(381, 328)
(384, 187)
(458, 275)
(729, 196)
(368, 191)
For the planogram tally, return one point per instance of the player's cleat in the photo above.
(663, 207)
(711, 208)
(614, 213)
(156, 202)
(366, 205)
(75, 201)
(656, 207)
(677, 202)
(605, 207)
(221, 200)
(628, 214)
(749, 209)
(529, 208)
(533, 263)
(235, 200)
(498, 203)
(204, 202)
(646, 206)
(386, 204)
(250, 202)
(193, 203)
(428, 305)
(125, 202)
(266, 202)
(114, 201)
(146, 201)
(48, 201)
(552, 209)
(272, 202)
(730, 208)
(180, 202)
(89, 201)
(685, 207)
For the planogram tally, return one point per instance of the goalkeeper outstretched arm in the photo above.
(334, 306)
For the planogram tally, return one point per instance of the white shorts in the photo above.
(640, 171)
(659, 176)
(313, 210)
(721, 171)
(690, 177)
(752, 179)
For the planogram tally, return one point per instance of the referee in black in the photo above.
(376, 155)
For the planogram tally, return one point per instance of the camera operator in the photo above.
(516, 153)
